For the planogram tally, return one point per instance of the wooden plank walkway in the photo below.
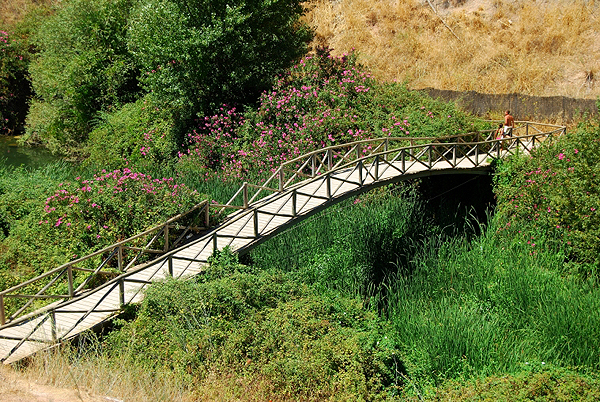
(293, 201)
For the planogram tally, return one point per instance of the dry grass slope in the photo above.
(542, 48)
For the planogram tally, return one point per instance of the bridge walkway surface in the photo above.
(298, 189)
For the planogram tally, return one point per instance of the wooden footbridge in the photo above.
(82, 297)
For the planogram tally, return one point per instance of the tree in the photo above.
(200, 54)
(83, 67)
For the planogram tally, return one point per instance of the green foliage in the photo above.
(321, 101)
(536, 383)
(14, 86)
(551, 199)
(199, 54)
(139, 134)
(83, 67)
(263, 325)
(488, 307)
(352, 248)
(79, 215)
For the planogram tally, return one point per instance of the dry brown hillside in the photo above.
(532, 47)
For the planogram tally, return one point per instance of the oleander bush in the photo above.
(321, 101)
(57, 217)
(551, 199)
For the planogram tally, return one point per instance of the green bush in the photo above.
(52, 217)
(197, 55)
(261, 325)
(552, 198)
(138, 135)
(83, 67)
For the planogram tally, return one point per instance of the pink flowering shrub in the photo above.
(88, 214)
(321, 101)
(552, 197)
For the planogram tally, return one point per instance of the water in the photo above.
(12, 154)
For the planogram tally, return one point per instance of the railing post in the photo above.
(255, 219)
(166, 238)
(377, 168)
(358, 151)
(245, 194)
(70, 279)
(122, 291)
(476, 155)
(120, 258)
(454, 155)
(170, 265)
(328, 185)
(329, 159)
(429, 148)
(527, 128)
(281, 183)
(206, 216)
(360, 178)
(215, 242)
(403, 161)
(53, 325)
(294, 212)
(2, 312)
(313, 163)
(386, 147)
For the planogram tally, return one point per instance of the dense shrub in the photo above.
(82, 215)
(261, 325)
(321, 101)
(83, 67)
(552, 198)
(199, 54)
(138, 134)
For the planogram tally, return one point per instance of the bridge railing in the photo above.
(328, 159)
(366, 158)
(72, 278)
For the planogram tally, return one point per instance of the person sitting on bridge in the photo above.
(509, 124)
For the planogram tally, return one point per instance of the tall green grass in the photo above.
(483, 307)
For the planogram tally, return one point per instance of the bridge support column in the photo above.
(377, 167)
(170, 265)
(245, 194)
(328, 185)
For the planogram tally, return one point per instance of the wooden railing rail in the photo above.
(114, 250)
(370, 157)
(322, 160)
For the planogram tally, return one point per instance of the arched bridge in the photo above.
(298, 189)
